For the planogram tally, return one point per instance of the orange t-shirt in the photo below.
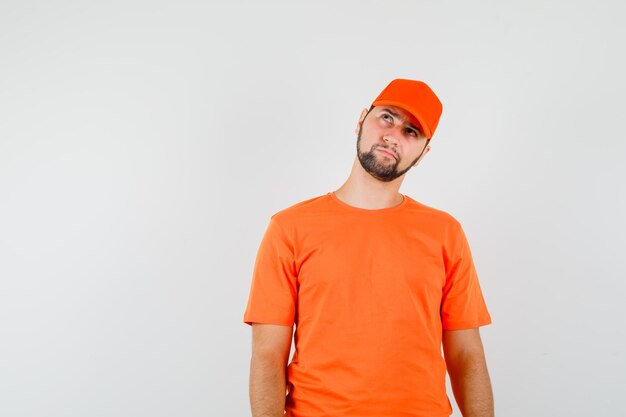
(369, 292)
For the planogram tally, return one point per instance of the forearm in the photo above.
(268, 385)
(471, 386)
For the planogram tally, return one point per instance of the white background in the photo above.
(144, 145)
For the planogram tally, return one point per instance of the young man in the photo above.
(375, 283)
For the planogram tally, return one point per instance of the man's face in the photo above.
(389, 129)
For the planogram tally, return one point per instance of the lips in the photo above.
(387, 152)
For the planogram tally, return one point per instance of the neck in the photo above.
(364, 191)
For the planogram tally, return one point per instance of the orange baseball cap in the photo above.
(415, 97)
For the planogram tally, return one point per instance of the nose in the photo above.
(391, 134)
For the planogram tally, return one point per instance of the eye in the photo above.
(388, 117)
(412, 132)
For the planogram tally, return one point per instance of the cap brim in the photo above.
(416, 114)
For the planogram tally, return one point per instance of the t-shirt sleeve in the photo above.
(462, 304)
(273, 289)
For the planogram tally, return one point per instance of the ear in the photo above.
(360, 122)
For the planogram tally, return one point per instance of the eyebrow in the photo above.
(393, 113)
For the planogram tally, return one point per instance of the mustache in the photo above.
(390, 150)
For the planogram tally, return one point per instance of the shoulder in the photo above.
(442, 218)
(299, 211)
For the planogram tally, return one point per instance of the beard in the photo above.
(383, 169)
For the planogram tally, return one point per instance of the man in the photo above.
(375, 283)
